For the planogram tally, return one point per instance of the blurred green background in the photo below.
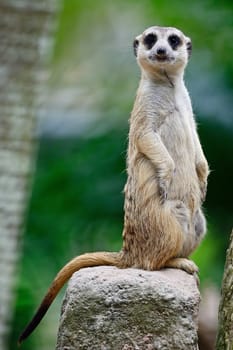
(77, 201)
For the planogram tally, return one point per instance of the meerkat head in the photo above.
(162, 49)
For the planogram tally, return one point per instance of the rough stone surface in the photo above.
(106, 308)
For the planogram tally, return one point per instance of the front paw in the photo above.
(163, 190)
(164, 183)
(203, 189)
(202, 173)
(202, 170)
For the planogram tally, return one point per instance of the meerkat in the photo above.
(166, 167)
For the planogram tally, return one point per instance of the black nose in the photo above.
(161, 51)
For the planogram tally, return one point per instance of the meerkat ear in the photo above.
(189, 46)
(135, 46)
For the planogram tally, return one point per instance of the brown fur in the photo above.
(167, 173)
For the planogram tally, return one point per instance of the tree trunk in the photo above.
(23, 24)
(225, 332)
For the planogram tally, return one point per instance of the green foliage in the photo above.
(210, 257)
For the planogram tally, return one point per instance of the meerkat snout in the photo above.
(161, 51)
(160, 55)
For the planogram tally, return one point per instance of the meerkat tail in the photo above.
(85, 260)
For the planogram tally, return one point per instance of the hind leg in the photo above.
(199, 224)
(182, 214)
(183, 264)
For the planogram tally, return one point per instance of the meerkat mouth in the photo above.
(161, 58)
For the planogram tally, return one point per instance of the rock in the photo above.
(106, 308)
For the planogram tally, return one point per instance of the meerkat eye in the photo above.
(174, 41)
(150, 40)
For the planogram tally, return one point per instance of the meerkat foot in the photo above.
(183, 264)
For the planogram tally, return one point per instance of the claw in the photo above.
(162, 194)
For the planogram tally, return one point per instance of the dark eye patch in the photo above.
(174, 41)
(150, 40)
